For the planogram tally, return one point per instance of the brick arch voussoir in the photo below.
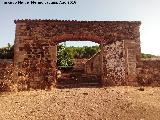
(77, 37)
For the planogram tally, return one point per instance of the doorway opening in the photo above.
(78, 64)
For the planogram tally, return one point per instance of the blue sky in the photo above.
(147, 11)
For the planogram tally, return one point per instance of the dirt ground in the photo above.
(110, 103)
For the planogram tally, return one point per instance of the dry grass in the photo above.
(111, 103)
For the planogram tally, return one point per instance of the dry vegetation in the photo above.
(111, 103)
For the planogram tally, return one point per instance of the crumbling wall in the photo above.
(94, 65)
(79, 64)
(149, 73)
(6, 69)
(8, 80)
(38, 63)
(114, 64)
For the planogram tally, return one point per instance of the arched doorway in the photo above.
(79, 66)
(77, 78)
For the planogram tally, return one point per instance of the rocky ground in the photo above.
(110, 103)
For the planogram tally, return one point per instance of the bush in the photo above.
(147, 56)
(7, 52)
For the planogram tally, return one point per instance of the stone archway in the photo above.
(85, 77)
(35, 39)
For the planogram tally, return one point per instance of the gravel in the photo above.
(110, 103)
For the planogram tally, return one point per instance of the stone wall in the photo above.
(114, 64)
(14, 79)
(94, 65)
(35, 51)
(149, 73)
(132, 60)
(6, 77)
(79, 64)
(5, 68)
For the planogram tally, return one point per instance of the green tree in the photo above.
(89, 51)
(7, 52)
(65, 56)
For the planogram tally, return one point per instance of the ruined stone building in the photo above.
(118, 62)
(36, 47)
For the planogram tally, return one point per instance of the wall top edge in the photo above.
(72, 21)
